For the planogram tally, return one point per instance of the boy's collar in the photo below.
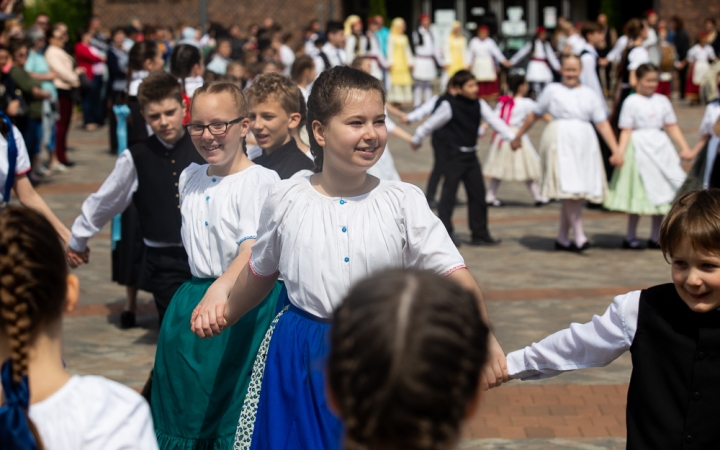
(168, 145)
(291, 140)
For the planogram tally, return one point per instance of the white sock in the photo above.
(564, 225)
(492, 190)
(655, 230)
(633, 220)
(534, 189)
(575, 219)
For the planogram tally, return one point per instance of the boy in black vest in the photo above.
(147, 174)
(672, 331)
(274, 110)
(455, 124)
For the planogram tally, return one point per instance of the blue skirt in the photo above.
(285, 407)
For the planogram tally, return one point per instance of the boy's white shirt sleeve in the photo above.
(442, 115)
(113, 197)
(495, 122)
(593, 344)
(522, 53)
(423, 110)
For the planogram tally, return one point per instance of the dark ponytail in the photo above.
(327, 99)
(183, 58)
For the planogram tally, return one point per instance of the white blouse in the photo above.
(697, 53)
(479, 48)
(712, 114)
(637, 57)
(219, 213)
(22, 162)
(563, 102)
(94, 413)
(521, 109)
(323, 245)
(640, 112)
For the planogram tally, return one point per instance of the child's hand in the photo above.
(404, 119)
(515, 144)
(617, 160)
(76, 259)
(414, 146)
(495, 372)
(208, 318)
(687, 155)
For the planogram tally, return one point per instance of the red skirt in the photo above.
(692, 91)
(664, 88)
(488, 88)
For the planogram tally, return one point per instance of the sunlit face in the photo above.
(570, 71)
(218, 150)
(696, 275)
(357, 27)
(647, 85)
(354, 139)
(270, 124)
(165, 119)
(469, 90)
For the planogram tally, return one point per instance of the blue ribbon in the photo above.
(12, 159)
(121, 113)
(14, 429)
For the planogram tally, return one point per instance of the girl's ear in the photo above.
(319, 132)
(244, 126)
(294, 121)
(73, 292)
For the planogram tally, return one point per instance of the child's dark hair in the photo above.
(139, 53)
(694, 216)
(407, 350)
(157, 87)
(645, 69)
(589, 28)
(460, 78)
(328, 96)
(33, 285)
(515, 81)
(301, 64)
(182, 60)
(275, 86)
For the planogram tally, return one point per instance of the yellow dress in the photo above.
(400, 70)
(456, 52)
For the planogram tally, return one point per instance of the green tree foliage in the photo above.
(74, 13)
(611, 8)
(377, 8)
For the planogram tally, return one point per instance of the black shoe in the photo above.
(487, 241)
(496, 203)
(541, 204)
(572, 248)
(432, 204)
(652, 245)
(635, 244)
(456, 240)
(590, 205)
(69, 163)
(127, 320)
(584, 247)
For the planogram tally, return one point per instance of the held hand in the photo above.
(76, 259)
(414, 146)
(404, 119)
(617, 160)
(603, 62)
(12, 108)
(80, 70)
(687, 155)
(515, 144)
(208, 318)
(495, 372)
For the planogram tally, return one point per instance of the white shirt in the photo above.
(562, 102)
(541, 50)
(113, 197)
(521, 109)
(697, 53)
(94, 413)
(710, 118)
(219, 213)
(305, 91)
(428, 49)
(136, 79)
(637, 57)
(576, 43)
(336, 57)
(479, 48)
(287, 57)
(192, 83)
(352, 48)
(640, 112)
(22, 162)
(615, 55)
(423, 110)
(321, 246)
(588, 75)
(218, 64)
(443, 114)
(593, 344)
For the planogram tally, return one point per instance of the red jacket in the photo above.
(85, 58)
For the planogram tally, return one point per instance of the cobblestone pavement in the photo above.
(531, 291)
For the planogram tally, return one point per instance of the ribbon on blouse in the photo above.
(121, 113)
(12, 160)
(507, 104)
(15, 431)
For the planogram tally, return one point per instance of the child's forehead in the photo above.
(686, 248)
(360, 100)
(270, 101)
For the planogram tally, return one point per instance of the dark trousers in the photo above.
(114, 99)
(682, 79)
(93, 105)
(65, 110)
(465, 167)
(437, 170)
(166, 269)
(606, 154)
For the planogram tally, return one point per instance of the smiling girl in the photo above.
(220, 203)
(322, 234)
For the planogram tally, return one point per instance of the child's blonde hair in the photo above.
(229, 89)
(694, 216)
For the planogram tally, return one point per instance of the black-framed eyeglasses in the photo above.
(215, 129)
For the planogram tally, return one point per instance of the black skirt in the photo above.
(129, 253)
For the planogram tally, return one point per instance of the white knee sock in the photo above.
(428, 91)
(564, 225)
(492, 190)
(575, 218)
(655, 231)
(534, 189)
(633, 220)
(418, 91)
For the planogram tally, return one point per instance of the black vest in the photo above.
(157, 199)
(674, 394)
(462, 129)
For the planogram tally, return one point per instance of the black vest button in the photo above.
(689, 439)
(701, 356)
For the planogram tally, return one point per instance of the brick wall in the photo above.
(294, 15)
(692, 12)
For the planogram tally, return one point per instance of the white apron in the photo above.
(658, 164)
(484, 68)
(578, 162)
(424, 68)
(712, 151)
(539, 72)
(699, 70)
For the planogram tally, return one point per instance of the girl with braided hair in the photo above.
(321, 234)
(406, 351)
(44, 406)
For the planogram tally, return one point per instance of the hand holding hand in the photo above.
(686, 154)
(617, 160)
(414, 146)
(515, 143)
(76, 259)
(208, 318)
(495, 372)
(404, 119)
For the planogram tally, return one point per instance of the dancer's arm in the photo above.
(608, 136)
(522, 53)
(529, 122)
(625, 135)
(676, 135)
(692, 154)
(28, 196)
(441, 116)
(494, 373)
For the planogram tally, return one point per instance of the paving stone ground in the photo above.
(531, 291)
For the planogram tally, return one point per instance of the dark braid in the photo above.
(407, 348)
(328, 96)
(33, 273)
(182, 60)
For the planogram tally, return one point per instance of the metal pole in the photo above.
(203, 17)
(331, 10)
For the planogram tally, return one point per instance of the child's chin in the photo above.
(702, 306)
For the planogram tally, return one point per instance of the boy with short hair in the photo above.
(274, 110)
(147, 174)
(672, 331)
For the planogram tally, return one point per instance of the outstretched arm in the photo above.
(676, 135)
(607, 134)
(698, 147)
(622, 145)
(529, 121)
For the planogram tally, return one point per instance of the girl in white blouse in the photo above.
(322, 234)
(201, 384)
(43, 404)
(572, 162)
(651, 173)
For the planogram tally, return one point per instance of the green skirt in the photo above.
(199, 385)
(627, 191)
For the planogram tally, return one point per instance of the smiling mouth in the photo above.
(367, 150)
(212, 148)
(699, 296)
